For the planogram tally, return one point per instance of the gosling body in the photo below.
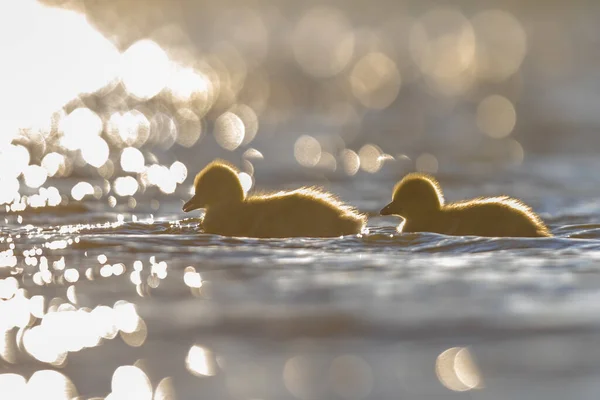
(419, 200)
(304, 212)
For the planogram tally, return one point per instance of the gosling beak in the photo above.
(192, 204)
(387, 210)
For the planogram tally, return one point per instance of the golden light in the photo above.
(375, 81)
(36, 306)
(13, 160)
(253, 154)
(13, 386)
(37, 200)
(163, 130)
(136, 338)
(71, 275)
(16, 311)
(496, 116)
(466, 369)
(145, 69)
(457, 371)
(106, 171)
(159, 175)
(35, 176)
(37, 344)
(229, 131)
(78, 127)
(47, 275)
(9, 190)
(323, 42)
(82, 189)
(103, 322)
(128, 129)
(246, 181)
(8, 345)
(153, 281)
(189, 127)
(186, 83)
(49, 384)
(165, 390)
(106, 271)
(72, 294)
(249, 119)
(58, 265)
(135, 277)
(65, 330)
(95, 151)
(132, 160)
(159, 269)
(138, 265)
(126, 186)
(54, 163)
(37, 279)
(7, 258)
(350, 161)
(76, 58)
(327, 161)
(178, 172)
(427, 163)
(192, 278)
(370, 158)
(200, 361)
(444, 369)
(126, 316)
(8, 287)
(130, 383)
(501, 44)
(247, 166)
(307, 151)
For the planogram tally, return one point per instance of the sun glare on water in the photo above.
(43, 67)
(100, 127)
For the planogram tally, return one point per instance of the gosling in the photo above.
(419, 200)
(304, 212)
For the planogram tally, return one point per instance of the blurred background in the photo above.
(130, 91)
(108, 108)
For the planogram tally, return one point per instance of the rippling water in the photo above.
(108, 290)
(149, 302)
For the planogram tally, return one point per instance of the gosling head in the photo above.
(217, 183)
(415, 195)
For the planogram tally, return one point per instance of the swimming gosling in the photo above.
(419, 200)
(307, 212)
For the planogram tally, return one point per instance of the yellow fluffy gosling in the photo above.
(418, 199)
(307, 212)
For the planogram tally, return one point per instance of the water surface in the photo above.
(365, 316)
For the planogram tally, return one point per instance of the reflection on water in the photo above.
(108, 292)
(130, 382)
(118, 111)
(214, 319)
(455, 370)
(200, 361)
